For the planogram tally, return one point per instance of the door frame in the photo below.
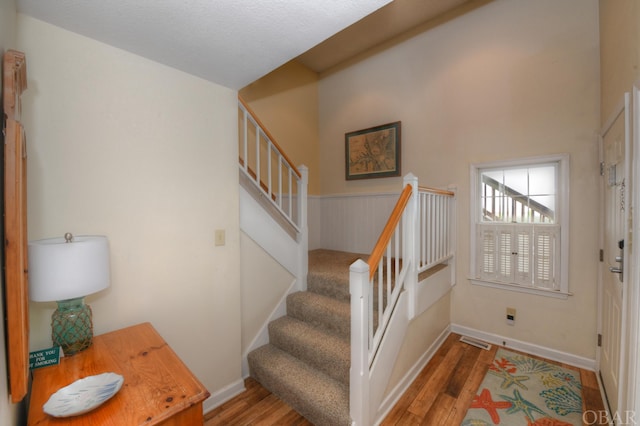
(633, 371)
(624, 381)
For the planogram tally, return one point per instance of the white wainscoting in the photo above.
(348, 222)
(314, 213)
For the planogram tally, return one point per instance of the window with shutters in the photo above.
(519, 224)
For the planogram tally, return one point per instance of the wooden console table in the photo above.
(158, 388)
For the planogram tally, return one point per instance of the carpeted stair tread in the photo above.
(306, 363)
(320, 349)
(329, 272)
(321, 311)
(319, 398)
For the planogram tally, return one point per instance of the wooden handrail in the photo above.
(436, 191)
(389, 228)
(269, 135)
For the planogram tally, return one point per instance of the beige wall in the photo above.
(263, 286)
(507, 80)
(8, 411)
(147, 155)
(619, 51)
(286, 101)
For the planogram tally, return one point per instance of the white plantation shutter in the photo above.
(488, 254)
(547, 251)
(495, 260)
(524, 254)
(524, 259)
(505, 264)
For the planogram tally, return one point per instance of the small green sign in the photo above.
(44, 357)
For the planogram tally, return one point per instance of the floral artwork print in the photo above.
(373, 152)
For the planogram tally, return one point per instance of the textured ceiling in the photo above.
(229, 42)
(235, 42)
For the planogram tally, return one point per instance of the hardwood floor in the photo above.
(440, 395)
(254, 406)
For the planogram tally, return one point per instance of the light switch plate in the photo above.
(219, 237)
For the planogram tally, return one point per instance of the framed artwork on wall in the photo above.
(373, 152)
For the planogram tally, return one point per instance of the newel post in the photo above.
(359, 373)
(303, 238)
(411, 238)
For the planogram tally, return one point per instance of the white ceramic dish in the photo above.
(83, 395)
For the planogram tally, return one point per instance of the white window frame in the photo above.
(559, 230)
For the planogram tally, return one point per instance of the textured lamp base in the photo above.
(72, 326)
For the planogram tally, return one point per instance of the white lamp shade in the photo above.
(61, 270)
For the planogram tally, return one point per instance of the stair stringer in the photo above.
(258, 224)
(385, 359)
(430, 291)
(291, 253)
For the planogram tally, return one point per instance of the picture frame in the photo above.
(373, 152)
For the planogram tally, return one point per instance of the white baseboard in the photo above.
(548, 353)
(394, 396)
(223, 395)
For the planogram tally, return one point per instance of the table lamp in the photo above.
(65, 270)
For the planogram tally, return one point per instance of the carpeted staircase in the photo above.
(306, 363)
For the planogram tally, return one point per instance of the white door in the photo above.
(633, 280)
(615, 145)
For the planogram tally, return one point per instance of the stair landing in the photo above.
(329, 272)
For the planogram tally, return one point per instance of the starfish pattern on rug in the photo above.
(521, 404)
(502, 364)
(551, 397)
(509, 379)
(485, 401)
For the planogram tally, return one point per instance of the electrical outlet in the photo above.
(219, 237)
(511, 316)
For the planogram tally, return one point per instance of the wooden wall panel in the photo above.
(15, 226)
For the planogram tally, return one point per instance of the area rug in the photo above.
(520, 390)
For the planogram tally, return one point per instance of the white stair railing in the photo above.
(437, 215)
(418, 235)
(283, 186)
(265, 164)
